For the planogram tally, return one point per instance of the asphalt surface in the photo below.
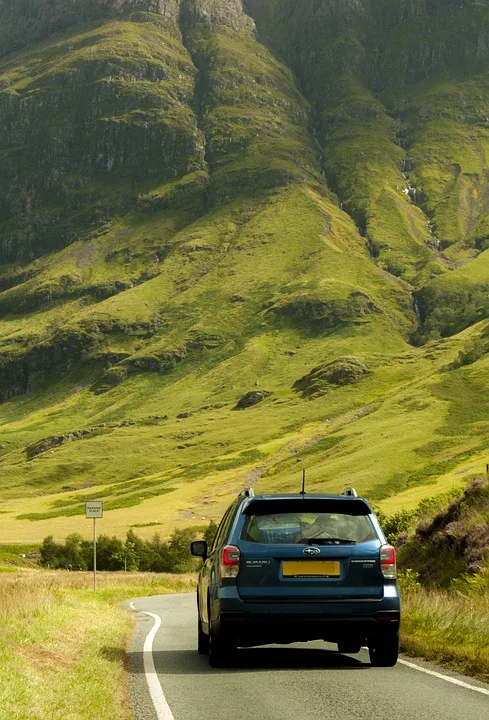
(298, 682)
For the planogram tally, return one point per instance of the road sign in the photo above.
(94, 509)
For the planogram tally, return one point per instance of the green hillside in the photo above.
(208, 202)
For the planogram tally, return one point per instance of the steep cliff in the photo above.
(399, 91)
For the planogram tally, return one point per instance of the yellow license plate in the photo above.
(310, 568)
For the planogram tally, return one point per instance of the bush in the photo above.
(210, 533)
(397, 525)
(408, 580)
(155, 555)
(470, 354)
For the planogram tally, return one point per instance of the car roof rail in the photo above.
(248, 492)
(351, 492)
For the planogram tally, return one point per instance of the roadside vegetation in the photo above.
(448, 627)
(444, 578)
(63, 644)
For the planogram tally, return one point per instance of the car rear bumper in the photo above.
(281, 621)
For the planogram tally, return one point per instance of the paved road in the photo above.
(298, 682)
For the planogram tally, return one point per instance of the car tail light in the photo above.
(388, 562)
(230, 561)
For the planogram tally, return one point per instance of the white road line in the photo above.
(449, 679)
(131, 605)
(161, 706)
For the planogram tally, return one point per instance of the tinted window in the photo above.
(223, 527)
(308, 527)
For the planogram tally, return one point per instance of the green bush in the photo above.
(408, 580)
(155, 555)
(470, 353)
(394, 526)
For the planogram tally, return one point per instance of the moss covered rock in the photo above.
(252, 398)
(343, 371)
(315, 312)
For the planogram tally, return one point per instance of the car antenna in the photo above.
(303, 491)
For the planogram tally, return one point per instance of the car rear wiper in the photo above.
(330, 541)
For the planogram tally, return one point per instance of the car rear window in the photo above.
(331, 522)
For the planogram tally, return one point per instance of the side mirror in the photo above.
(199, 548)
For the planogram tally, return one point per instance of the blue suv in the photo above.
(294, 568)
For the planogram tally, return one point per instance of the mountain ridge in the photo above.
(202, 200)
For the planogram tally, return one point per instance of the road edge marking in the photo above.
(163, 711)
(447, 678)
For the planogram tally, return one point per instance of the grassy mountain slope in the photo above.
(193, 209)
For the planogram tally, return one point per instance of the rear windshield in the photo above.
(323, 527)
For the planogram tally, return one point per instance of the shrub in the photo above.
(397, 525)
(210, 533)
(408, 580)
(113, 554)
(470, 353)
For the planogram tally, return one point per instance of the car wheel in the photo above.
(221, 651)
(349, 647)
(384, 650)
(202, 639)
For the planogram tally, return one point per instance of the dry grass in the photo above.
(449, 628)
(63, 644)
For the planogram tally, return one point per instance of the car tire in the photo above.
(202, 639)
(221, 651)
(349, 647)
(384, 650)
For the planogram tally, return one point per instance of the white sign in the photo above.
(94, 509)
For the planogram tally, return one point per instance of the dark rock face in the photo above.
(105, 109)
(55, 356)
(252, 398)
(302, 27)
(343, 371)
(223, 13)
(23, 22)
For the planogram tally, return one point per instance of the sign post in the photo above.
(94, 509)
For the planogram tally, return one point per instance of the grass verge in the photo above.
(448, 628)
(63, 645)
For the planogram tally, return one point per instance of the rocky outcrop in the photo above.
(55, 441)
(162, 361)
(314, 312)
(252, 398)
(343, 371)
(217, 14)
